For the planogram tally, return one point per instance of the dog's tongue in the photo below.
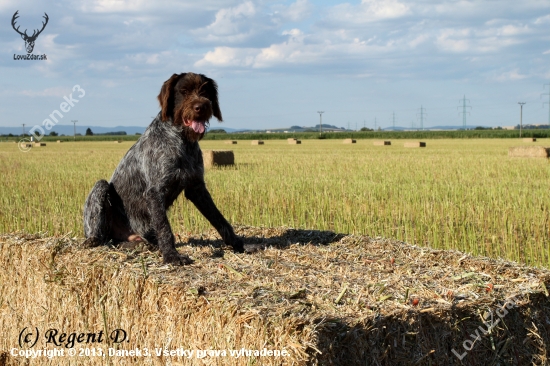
(198, 127)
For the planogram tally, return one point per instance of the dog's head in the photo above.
(190, 100)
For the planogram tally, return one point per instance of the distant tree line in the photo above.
(89, 132)
(533, 127)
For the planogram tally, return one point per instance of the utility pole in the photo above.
(23, 130)
(375, 123)
(464, 112)
(320, 122)
(547, 102)
(393, 120)
(74, 121)
(521, 117)
(422, 114)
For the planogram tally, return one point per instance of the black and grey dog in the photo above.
(165, 161)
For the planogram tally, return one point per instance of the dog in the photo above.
(165, 161)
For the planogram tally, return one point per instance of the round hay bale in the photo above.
(256, 142)
(415, 144)
(381, 143)
(350, 141)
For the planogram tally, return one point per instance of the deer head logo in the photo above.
(29, 40)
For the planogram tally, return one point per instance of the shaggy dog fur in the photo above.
(165, 161)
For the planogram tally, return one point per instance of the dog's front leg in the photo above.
(163, 231)
(199, 195)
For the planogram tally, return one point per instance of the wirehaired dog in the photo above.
(165, 161)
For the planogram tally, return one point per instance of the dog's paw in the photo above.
(91, 242)
(177, 259)
(238, 245)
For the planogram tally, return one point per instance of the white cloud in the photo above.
(289, 52)
(227, 57)
(421, 39)
(512, 75)
(228, 20)
(368, 11)
(484, 40)
(543, 20)
(110, 6)
(297, 11)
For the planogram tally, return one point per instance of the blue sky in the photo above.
(279, 62)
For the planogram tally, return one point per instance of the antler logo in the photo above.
(29, 40)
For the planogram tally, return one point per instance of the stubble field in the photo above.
(460, 194)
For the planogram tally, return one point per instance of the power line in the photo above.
(320, 122)
(521, 117)
(422, 114)
(464, 112)
(74, 121)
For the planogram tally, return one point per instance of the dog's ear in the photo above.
(166, 98)
(212, 90)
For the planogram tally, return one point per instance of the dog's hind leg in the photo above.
(97, 215)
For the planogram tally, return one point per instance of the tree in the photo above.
(89, 132)
(53, 133)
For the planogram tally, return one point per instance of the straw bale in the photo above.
(25, 144)
(38, 144)
(217, 158)
(256, 142)
(349, 141)
(117, 142)
(415, 144)
(529, 151)
(231, 142)
(326, 298)
(529, 139)
(381, 143)
(59, 141)
(294, 141)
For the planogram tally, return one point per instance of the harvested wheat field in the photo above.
(311, 297)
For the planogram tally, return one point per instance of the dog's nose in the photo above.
(197, 107)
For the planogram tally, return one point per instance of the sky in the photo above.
(277, 63)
